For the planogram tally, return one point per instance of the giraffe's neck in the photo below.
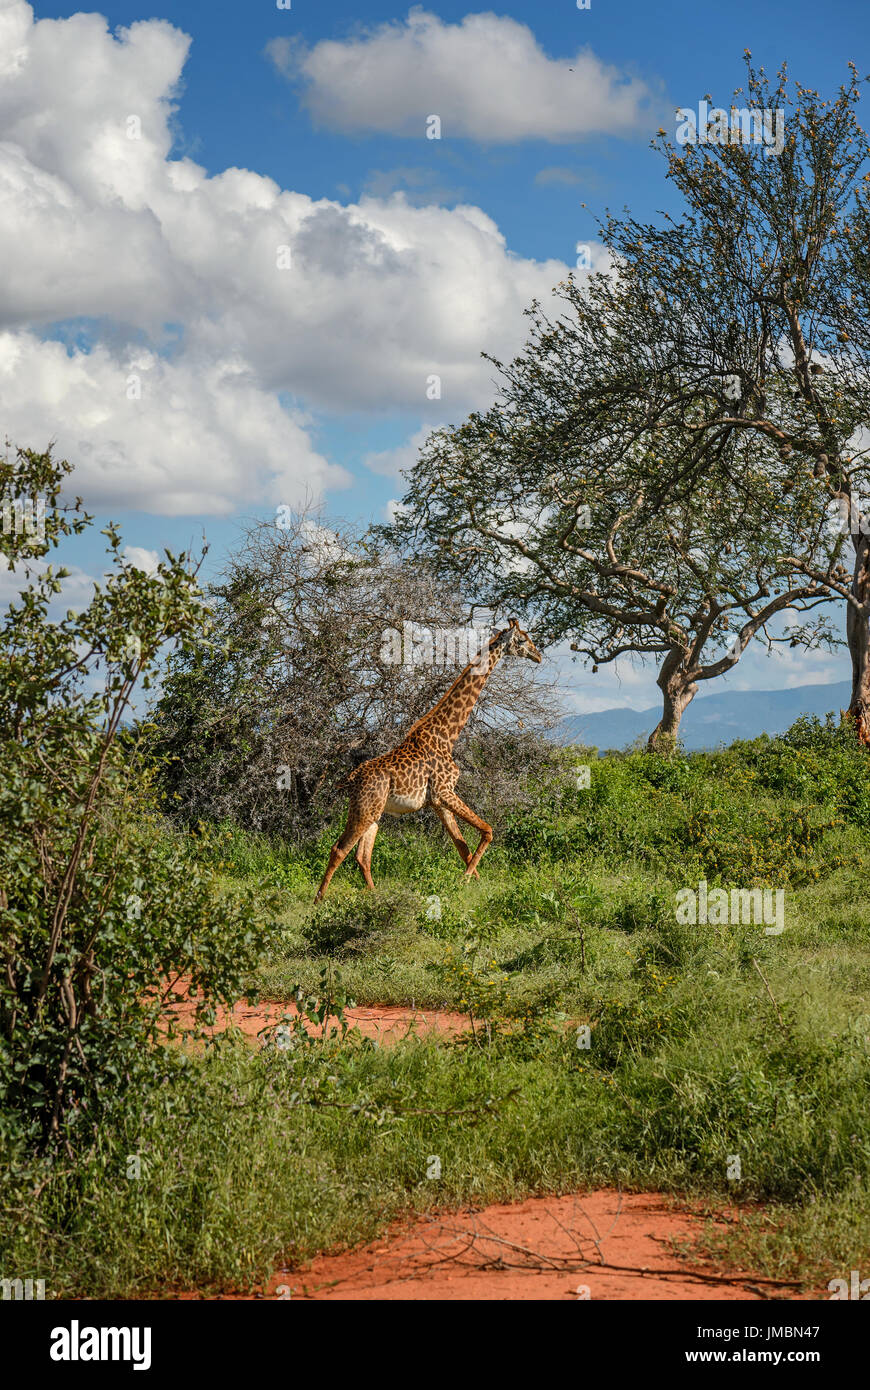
(449, 717)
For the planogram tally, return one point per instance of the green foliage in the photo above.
(637, 908)
(347, 926)
(101, 912)
(710, 812)
(779, 847)
(534, 836)
(816, 763)
(273, 862)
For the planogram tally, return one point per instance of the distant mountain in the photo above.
(710, 720)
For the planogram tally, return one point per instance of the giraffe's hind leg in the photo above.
(367, 800)
(448, 820)
(364, 853)
(339, 852)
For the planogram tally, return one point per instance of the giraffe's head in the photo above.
(512, 641)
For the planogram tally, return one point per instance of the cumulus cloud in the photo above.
(486, 77)
(141, 558)
(380, 295)
(173, 437)
(279, 304)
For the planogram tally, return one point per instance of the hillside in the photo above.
(709, 720)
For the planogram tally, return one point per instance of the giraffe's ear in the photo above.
(515, 622)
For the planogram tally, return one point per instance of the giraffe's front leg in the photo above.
(448, 820)
(448, 800)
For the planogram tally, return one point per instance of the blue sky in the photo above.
(410, 255)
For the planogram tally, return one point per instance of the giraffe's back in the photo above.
(398, 783)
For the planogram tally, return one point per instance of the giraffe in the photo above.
(421, 771)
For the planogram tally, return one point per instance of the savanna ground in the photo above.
(705, 1042)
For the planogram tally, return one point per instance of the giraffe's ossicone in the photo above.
(421, 771)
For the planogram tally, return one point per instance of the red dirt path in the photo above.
(544, 1248)
(600, 1245)
(385, 1022)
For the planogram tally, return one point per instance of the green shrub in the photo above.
(362, 924)
(100, 912)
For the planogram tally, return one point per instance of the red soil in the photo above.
(599, 1245)
(384, 1022)
(602, 1245)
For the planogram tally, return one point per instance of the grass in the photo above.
(707, 1042)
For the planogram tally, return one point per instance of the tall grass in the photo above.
(707, 1043)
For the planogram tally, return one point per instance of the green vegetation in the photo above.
(705, 1042)
(670, 467)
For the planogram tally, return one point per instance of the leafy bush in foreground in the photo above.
(100, 913)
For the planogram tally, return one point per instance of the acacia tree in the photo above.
(723, 351)
(758, 298)
(580, 543)
(320, 659)
(710, 593)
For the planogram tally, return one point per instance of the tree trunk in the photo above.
(858, 638)
(678, 691)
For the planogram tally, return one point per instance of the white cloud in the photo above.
(201, 437)
(394, 509)
(141, 559)
(486, 77)
(378, 295)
